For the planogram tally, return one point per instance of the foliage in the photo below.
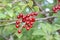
(9, 9)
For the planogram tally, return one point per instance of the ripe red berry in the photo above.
(24, 19)
(27, 22)
(18, 17)
(54, 10)
(32, 19)
(21, 15)
(31, 23)
(27, 28)
(17, 26)
(30, 26)
(31, 14)
(19, 31)
(35, 13)
(28, 15)
(56, 7)
(17, 22)
(27, 19)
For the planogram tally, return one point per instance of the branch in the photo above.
(14, 20)
(45, 18)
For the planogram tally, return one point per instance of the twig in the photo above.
(38, 19)
(7, 24)
(45, 18)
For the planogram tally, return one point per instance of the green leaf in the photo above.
(18, 35)
(36, 8)
(41, 31)
(49, 27)
(2, 15)
(8, 30)
(17, 9)
(23, 7)
(30, 4)
(43, 27)
(9, 4)
(21, 3)
(38, 32)
(56, 27)
(10, 13)
(57, 36)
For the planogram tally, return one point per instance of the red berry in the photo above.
(54, 10)
(23, 19)
(27, 22)
(17, 26)
(28, 15)
(17, 22)
(32, 19)
(27, 28)
(31, 23)
(18, 17)
(30, 26)
(35, 13)
(27, 19)
(21, 15)
(19, 31)
(56, 7)
(31, 14)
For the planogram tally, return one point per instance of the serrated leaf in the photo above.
(43, 26)
(57, 36)
(56, 27)
(21, 3)
(2, 15)
(18, 35)
(17, 9)
(8, 30)
(49, 27)
(23, 7)
(9, 4)
(38, 32)
(36, 8)
(30, 3)
(10, 13)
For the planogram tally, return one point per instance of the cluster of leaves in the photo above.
(9, 9)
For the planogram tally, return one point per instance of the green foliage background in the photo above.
(9, 9)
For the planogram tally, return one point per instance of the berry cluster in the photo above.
(28, 19)
(56, 8)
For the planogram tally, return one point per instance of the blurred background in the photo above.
(46, 28)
